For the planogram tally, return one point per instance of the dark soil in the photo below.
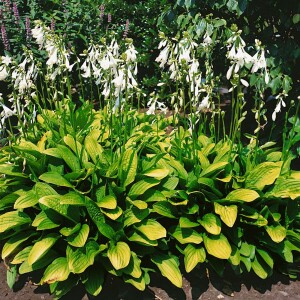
(196, 285)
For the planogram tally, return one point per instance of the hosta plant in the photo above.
(92, 193)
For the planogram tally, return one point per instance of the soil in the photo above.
(197, 285)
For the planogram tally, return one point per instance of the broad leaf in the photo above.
(129, 167)
(93, 279)
(56, 179)
(157, 173)
(193, 256)
(263, 174)
(12, 219)
(213, 169)
(79, 239)
(57, 271)
(228, 214)
(276, 233)
(151, 229)
(218, 246)
(165, 209)
(28, 200)
(119, 255)
(41, 247)
(142, 186)
(168, 268)
(186, 235)
(245, 195)
(211, 223)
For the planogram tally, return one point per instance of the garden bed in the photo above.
(196, 285)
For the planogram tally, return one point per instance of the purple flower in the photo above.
(16, 13)
(4, 37)
(28, 29)
(102, 7)
(109, 18)
(7, 5)
(126, 29)
(52, 25)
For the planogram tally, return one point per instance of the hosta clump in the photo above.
(95, 193)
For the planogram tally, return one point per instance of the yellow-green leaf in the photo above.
(142, 186)
(129, 166)
(218, 246)
(165, 209)
(28, 200)
(211, 223)
(113, 214)
(228, 214)
(57, 271)
(21, 256)
(109, 202)
(186, 235)
(276, 233)
(93, 279)
(151, 229)
(41, 247)
(286, 188)
(193, 256)
(213, 169)
(245, 195)
(119, 255)
(56, 179)
(263, 174)
(168, 268)
(157, 173)
(12, 219)
(134, 267)
(79, 239)
(93, 148)
(14, 242)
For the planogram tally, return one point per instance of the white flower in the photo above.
(131, 54)
(7, 112)
(204, 103)
(244, 83)
(163, 56)
(206, 40)
(278, 107)
(6, 60)
(3, 73)
(38, 34)
(52, 52)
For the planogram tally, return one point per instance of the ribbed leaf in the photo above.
(211, 223)
(168, 268)
(12, 219)
(113, 214)
(134, 215)
(41, 247)
(193, 256)
(56, 179)
(119, 255)
(276, 233)
(138, 283)
(79, 239)
(72, 198)
(213, 169)
(165, 209)
(186, 235)
(21, 256)
(57, 271)
(142, 186)
(93, 279)
(12, 244)
(70, 159)
(134, 267)
(67, 231)
(109, 202)
(157, 173)
(129, 167)
(28, 200)
(286, 188)
(93, 148)
(186, 222)
(151, 229)
(263, 174)
(228, 214)
(245, 195)
(138, 238)
(218, 246)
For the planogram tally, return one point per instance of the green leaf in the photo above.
(193, 256)
(79, 239)
(228, 214)
(157, 173)
(11, 276)
(109, 202)
(93, 279)
(245, 195)
(169, 183)
(276, 233)
(28, 200)
(186, 222)
(129, 167)
(57, 271)
(260, 268)
(168, 267)
(56, 179)
(136, 237)
(60, 288)
(41, 247)
(286, 188)
(93, 148)
(41, 263)
(14, 242)
(134, 215)
(186, 235)
(21, 256)
(151, 229)
(134, 267)
(211, 223)
(142, 186)
(113, 214)
(70, 159)
(263, 174)
(12, 219)
(80, 259)
(66, 231)
(165, 209)
(119, 255)
(72, 198)
(218, 246)
(54, 202)
(138, 283)
(213, 169)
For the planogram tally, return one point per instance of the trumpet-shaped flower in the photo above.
(3, 73)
